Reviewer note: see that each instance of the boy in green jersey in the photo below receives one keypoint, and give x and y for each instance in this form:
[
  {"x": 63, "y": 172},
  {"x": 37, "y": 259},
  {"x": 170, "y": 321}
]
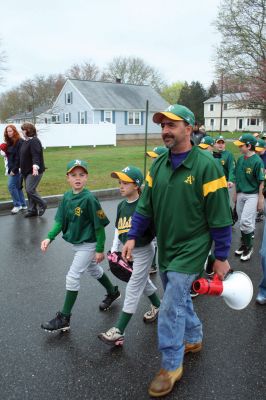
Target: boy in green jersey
[
  {"x": 249, "y": 192},
  {"x": 130, "y": 181},
  {"x": 82, "y": 221},
  {"x": 227, "y": 160},
  {"x": 184, "y": 189}
]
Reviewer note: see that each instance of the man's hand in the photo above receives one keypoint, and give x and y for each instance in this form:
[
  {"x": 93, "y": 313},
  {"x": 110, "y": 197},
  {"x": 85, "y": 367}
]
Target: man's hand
[
  {"x": 99, "y": 257},
  {"x": 221, "y": 268},
  {"x": 127, "y": 250},
  {"x": 260, "y": 206},
  {"x": 44, "y": 245}
]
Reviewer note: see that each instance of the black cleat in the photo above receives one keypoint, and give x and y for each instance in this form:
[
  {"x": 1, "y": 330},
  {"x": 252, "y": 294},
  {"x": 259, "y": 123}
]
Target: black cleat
[
  {"x": 109, "y": 299},
  {"x": 60, "y": 323},
  {"x": 42, "y": 210}
]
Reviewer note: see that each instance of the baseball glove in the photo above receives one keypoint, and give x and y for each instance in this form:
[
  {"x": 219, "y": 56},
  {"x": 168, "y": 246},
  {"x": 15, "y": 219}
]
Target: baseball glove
[{"x": 120, "y": 268}]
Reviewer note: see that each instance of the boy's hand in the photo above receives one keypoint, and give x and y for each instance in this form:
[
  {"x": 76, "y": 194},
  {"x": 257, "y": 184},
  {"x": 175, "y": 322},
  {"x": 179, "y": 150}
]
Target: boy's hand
[
  {"x": 260, "y": 206},
  {"x": 44, "y": 245},
  {"x": 99, "y": 257},
  {"x": 127, "y": 250}
]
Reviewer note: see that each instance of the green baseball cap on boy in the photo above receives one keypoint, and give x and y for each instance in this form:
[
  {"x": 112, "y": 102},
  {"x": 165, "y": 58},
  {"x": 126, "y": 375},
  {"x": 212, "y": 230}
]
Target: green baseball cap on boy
[
  {"x": 260, "y": 145},
  {"x": 246, "y": 138},
  {"x": 206, "y": 142},
  {"x": 77, "y": 163},
  {"x": 157, "y": 151},
  {"x": 176, "y": 112},
  {"x": 219, "y": 139},
  {"x": 129, "y": 174}
]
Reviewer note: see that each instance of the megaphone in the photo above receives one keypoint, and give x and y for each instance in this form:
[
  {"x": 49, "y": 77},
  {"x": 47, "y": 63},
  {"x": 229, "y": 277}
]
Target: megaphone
[{"x": 236, "y": 289}]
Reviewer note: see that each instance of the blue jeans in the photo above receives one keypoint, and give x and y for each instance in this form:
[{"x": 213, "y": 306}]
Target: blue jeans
[
  {"x": 177, "y": 322},
  {"x": 262, "y": 286},
  {"x": 14, "y": 187}
]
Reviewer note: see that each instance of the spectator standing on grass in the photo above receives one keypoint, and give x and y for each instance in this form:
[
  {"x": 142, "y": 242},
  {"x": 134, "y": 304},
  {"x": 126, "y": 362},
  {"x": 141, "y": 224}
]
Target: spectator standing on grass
[
  {"x": 14, "y": 142},
  {"x": 32, "y": 168}
]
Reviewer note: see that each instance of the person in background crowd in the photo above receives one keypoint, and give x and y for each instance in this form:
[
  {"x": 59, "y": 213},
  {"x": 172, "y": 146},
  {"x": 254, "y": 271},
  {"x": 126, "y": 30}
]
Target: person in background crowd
[
  {"x": 32, "y": 168},
  {"x": 14, "y": 142}
]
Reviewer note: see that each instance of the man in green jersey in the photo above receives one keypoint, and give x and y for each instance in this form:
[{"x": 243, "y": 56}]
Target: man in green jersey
[
  {"x": 249, "y": 192},
  {"x": 184, "y": 189}
]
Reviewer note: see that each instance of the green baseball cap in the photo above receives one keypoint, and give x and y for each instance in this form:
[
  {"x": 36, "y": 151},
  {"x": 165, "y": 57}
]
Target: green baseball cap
[
  {"x": 219, "y": 138},
  {"x": 176, "y": 112},
  {"x": 77, "y": 163},
  {"x": 206, "y": 142},
  {"x": 157, "y": 151},
  {"x": 260, "y": 145},
  {"x": 129, "y": 174},
  {"x": 246, "y": 138}
]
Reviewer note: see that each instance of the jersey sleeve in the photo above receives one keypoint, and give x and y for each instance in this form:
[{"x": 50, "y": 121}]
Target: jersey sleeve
[
  {"x": 144, "y": 206},
  {"x": 97, "y": 215},
  {"x": 216, "y": 198},
  {"x": 259, "y": 171},
  {"x": 231, "y": 168},
  {"x": 59, "y": 216}
]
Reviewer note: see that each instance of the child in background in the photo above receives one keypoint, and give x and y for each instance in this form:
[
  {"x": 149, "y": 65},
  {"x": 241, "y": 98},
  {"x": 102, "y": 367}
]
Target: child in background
[
  {"x": 3, "y": 152},
  {"x": 130, "y": 181},
  {"x": 82, "y": 221}
]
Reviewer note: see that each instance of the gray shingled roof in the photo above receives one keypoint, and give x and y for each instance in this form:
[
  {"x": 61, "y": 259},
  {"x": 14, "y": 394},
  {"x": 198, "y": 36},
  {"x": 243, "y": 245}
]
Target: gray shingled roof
[
  {"x": 227, "y": 97},
  {"x": 119, "y": 96}
]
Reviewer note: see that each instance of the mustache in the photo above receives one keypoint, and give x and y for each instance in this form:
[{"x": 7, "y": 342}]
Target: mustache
[{"x": 167, "y": 136}]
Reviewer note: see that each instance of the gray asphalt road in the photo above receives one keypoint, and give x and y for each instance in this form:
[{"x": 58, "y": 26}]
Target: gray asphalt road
[{"x": 76, "y": 365}]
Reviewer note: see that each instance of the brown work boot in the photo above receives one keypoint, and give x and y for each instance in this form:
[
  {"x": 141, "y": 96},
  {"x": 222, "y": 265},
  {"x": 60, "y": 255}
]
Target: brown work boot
[
  {"x": 164, "y": 381},
  {"x": 193, "y": 347}
]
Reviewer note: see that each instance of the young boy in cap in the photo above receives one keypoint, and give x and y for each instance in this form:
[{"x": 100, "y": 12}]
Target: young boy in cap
[
  {"x": 130, "y": 181},
  {"x": 82, "y": 221},
  {"x": 249, "y": 192},
  {"x": 227, "y": 160},
  {"x": 155, "y": 153},
  {"x": 207, "y": 143}
]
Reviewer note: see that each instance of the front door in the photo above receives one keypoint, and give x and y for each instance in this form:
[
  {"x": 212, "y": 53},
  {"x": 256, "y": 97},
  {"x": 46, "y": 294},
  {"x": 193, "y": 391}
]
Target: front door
[{"x": 240, "y": 123}]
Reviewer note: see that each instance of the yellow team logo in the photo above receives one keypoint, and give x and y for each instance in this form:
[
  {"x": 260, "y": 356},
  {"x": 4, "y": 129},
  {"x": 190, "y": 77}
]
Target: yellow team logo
[
  {"x": 248, "y": 171},
  {"x": 222, "y": 162},
  {"x": 190, "y": 179},
  {"x": 124, "y": 224},
  {"x": 100, "y": 214},
  {"x": 77, "y": 211}
]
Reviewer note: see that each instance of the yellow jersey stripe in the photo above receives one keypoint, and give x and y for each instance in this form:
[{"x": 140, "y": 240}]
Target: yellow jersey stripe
[
  {"x": 120, "y": 231},
  {"x": 149, "y": 179},
  {"x": 212, "y": 186}
]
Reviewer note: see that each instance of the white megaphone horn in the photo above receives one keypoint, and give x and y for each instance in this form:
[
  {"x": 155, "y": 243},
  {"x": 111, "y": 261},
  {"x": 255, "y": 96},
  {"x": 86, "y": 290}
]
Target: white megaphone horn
[{"x": 236, "y": 289}]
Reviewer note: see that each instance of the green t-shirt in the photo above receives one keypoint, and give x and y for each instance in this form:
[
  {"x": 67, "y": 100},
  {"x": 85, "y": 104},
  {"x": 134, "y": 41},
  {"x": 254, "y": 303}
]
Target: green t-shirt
[
  {"x": 125, "y": 210},
  {"x": 80, "y": 216},
  {"x": 249, "y": 174},
  {"x": 184, "y": 204},
  {"x": 228, "y": 164}
]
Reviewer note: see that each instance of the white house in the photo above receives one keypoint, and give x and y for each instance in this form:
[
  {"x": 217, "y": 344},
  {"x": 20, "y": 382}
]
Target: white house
[
  {"x": 41, "y": 115},
  {"x": 90, "y": 102},
  {"x": 233, "y": 118}
]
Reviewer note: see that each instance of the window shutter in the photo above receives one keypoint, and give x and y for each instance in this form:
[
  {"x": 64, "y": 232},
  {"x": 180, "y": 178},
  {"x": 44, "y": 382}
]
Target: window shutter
[
  {"x": 69, "y": 117},
  {"x": 86, "y": 117},
  {"x": 102, "y": 115},
  {"x": 78, "y": 117},
  {"x": 142, "y": 118},
  {"x": 65, "y": 98},
  {"x": 113, "y": 117},
  {"x": 71, "y": 97},
  {"x": 63, "y": 118},
  {"x": 125, "y": 117}
]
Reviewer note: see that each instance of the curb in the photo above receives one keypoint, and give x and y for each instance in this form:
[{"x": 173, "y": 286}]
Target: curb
[{"x": 53, "y": 201}]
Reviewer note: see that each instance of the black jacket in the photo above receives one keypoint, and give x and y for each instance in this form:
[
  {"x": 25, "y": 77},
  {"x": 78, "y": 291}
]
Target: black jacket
[
  {"x": 31, "y": 153},
  {"x": 13, "y": 156}
]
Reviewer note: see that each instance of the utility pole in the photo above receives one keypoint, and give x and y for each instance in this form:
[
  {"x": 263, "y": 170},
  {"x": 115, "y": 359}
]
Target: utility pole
[{"x": 222, "y": 99}]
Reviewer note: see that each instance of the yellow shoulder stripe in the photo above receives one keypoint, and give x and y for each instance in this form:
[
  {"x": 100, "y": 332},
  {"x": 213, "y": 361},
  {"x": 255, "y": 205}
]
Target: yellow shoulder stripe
[
  {"x": 212, "y": 186},
  {"x": 149, "y": 179}
]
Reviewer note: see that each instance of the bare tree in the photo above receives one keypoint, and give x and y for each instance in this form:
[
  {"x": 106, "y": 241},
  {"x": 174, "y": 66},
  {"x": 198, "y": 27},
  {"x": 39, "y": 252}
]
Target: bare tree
[
  {"x": 133, "y": 70},
  {"x": 86, "y": 71},
  {"x": 3, "y": 59},
  {"x": 241, "y": 56}
]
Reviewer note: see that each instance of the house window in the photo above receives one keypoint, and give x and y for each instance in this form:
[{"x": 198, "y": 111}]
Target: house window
[
  {"x": 134, "y": 118},
  {"x": 108, "y": 116},
  {"x": 211, "y": 107},
  {"x": 55, "y": 119},
  {"x": 67, "y": 119},
  {"x": 212, "y": 123},
  {"x": 69, "y": 98},
  {"x": 253, "y": 121},
  {"x": 225, "y": 122},
  {"x": 225, "y": 106}
]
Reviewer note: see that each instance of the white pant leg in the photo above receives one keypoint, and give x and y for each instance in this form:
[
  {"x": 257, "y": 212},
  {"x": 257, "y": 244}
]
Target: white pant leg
[
  {"x": 84, "y": 255},
  {"x": 139, "y": 281},
  {"x": 249, "y": 211}
]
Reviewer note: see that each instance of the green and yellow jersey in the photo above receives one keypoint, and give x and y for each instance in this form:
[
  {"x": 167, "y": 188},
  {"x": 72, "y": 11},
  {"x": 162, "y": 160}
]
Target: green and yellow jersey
[
  {"x": 249, "y": 174},
  {"x": 228, "y": 163}
]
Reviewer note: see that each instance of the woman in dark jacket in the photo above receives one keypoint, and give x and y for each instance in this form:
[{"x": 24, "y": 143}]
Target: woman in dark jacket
[
  {"x": 32, "y": 168},
  {"x": 14, "y": 143}
]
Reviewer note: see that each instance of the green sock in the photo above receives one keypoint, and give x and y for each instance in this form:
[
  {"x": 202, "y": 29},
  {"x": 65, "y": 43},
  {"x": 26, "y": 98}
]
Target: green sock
[
  {"x": 155, "y": 301},
  {"x": 69, "y": 302},
  {"x": 105, "y": 281},
  {"x": 247, "y": 239},
  {"x": 123, "y": 320}
]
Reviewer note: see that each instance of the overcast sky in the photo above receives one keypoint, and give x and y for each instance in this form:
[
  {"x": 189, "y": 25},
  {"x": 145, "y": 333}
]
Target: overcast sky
[{"x": 43, "y": 37}]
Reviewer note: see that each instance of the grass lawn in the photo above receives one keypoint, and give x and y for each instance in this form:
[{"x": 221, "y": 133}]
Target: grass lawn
[{"x": 102, "y": 161}]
